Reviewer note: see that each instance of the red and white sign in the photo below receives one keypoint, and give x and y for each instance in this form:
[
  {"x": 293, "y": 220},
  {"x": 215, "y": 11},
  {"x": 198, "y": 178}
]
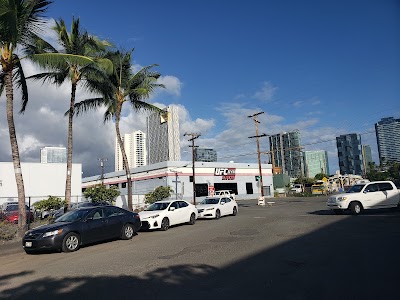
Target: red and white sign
[
  {"x": 226, "y": 173},
  {"x": 211, "y": 190}
]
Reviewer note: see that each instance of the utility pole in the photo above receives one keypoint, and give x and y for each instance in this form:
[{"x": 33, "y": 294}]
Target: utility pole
[
  {"x": 193, "y": 137},
  {"x": 102, "y": 160},
  {"x": 256, "y": 122}
]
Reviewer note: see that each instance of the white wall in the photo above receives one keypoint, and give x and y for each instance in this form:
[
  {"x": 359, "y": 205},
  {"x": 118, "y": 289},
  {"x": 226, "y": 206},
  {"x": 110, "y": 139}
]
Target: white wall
[{"x": 40, "y": 181}]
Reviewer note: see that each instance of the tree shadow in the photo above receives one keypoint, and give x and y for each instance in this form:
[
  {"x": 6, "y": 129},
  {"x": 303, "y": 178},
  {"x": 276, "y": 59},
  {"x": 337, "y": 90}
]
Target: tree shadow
[{"x": 353, "y": 258}]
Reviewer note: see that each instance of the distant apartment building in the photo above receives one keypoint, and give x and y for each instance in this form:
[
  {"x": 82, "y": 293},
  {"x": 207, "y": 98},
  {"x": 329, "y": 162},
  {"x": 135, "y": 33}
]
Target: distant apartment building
[
  {"x": 286, "y": 154},
  {"x": 135, "y": 149},
  {"x": 388, "y": 138},
  {"x": 367, "y": 156},
  {"x": 50, "y": 155},
  {"x": 163, "y": 138},
  {"x": 315, "y": 162},
  {"x": 350, "y": 154},
  {"x": 205, "y": 155}
]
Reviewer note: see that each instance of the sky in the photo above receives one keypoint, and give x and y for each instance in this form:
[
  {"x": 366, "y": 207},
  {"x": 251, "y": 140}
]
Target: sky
[{"x": 325, "y": 68}]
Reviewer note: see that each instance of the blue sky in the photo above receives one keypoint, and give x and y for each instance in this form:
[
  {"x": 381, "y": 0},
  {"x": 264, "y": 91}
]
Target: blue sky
[{"x": 324, "y": 67}]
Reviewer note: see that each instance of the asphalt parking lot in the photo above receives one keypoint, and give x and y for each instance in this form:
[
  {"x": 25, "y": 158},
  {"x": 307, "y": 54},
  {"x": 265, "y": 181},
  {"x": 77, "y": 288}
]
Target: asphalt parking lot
[{"x": 294, "y": 249}]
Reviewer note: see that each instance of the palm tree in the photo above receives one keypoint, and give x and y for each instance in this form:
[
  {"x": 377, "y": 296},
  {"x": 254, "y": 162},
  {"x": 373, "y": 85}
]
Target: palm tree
[
  {"x": 78, "y": 61},
  {"x": 121, "y": 87},
  {"x": 19, "y": 20}
]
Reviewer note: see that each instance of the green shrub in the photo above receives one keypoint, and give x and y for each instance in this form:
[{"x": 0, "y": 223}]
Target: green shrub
[
  {"x": 50, "y": 203},
  {"x": 100, "y": 193},
  {"x": 158, "y": 194}
]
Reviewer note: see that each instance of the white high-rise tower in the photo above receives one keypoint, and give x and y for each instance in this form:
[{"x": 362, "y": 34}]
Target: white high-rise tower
[
  {"x": 163, "y": 136},
  {"x": 135, "y": 148}
]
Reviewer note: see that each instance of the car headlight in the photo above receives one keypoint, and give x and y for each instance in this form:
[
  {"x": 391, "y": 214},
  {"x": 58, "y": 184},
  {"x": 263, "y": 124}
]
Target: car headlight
[
  {"x": 210, "y": 208},
  {"x": 51, "y": 233},
  {"x": 155, "y": 216},
  {"x": 341, "y": 198}
]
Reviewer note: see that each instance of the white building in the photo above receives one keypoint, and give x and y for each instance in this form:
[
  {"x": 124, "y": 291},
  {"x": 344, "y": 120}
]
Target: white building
[
  {"x": 163, "y": 140},
  {"x": 135, "y": 149},
  {"x": 53, "y": 155},
  {"x": 237, "y": 177},
  {"x": 40, "y": 181}
]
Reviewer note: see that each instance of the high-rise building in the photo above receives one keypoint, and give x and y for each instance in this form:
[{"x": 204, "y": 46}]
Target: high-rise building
[
  {"x": 163, "y": 139},
  {"x": 205, "y": 154},
  {"x": 315, "y": 162},
  {"x": 367, "y": 156},
  {"x": 388, "y": 138},
  {"x": 350, "y": 154},
  {"x": 286, "y": 153},
  {"x": 135, "y": 149},
  {"x": 53, "y": 155}
]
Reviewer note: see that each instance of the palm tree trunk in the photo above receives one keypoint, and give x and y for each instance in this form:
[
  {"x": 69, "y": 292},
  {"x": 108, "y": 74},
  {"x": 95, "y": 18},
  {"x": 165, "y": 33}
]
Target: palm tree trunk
[
  {"x": 69, "y": 154},
  {"x": 124, "y": 158},
  {"x": 15, "y": 154}
]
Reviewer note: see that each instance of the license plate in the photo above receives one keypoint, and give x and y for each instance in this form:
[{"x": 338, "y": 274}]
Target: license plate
[{"x": 28, "y": 244}]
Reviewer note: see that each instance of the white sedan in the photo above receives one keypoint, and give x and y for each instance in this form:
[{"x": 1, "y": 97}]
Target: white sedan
[
  {"x": 216, "y": 207},
  {"x": 163, "y": 214}
]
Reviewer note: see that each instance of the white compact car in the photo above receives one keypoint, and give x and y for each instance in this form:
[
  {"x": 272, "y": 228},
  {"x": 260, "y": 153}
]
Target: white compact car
[
  {"x": 216, "y": 207},
  {"x": 163, "y": 214}
]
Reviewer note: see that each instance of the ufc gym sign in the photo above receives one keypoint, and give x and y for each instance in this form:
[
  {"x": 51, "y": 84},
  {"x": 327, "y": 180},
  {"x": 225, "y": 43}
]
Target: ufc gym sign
[{"x": 226, "y": 173}]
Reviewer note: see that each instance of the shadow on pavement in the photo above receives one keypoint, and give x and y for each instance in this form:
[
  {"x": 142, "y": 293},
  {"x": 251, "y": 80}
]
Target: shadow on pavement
[{"x": 353, "y": 258}]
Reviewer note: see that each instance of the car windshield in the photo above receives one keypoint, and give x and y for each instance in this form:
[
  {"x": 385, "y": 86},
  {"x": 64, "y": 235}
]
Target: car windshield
[
  {"x": 72, "y": 216},
  {"x": 158, "y": 206},
  {"x": 356, "y": 188},
  {"x": 12, "y": 207},
  {"x": 210, "y": 201}
]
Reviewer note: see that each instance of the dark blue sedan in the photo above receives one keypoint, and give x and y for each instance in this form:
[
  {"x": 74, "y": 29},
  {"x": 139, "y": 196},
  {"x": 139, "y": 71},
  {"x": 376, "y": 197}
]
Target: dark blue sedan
[{"x": 82, "y": 226}]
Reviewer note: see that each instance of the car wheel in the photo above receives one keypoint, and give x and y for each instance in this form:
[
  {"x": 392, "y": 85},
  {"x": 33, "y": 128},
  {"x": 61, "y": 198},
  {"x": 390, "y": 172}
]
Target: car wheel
[
  {"x": 217, "y": 214},
  {"x": 164, "y": 224},
  {"x": 355, "y": 208},
  {"x": 192, "y": 219},
  {"x": 127, "y": 232},
  {"x": 338, "y": 211},
  {"x": 234, "y": 211},
  {"x": 71, "y": 242}
]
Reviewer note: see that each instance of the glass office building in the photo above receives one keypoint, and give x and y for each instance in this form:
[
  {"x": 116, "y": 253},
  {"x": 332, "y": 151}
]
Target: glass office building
[
  {"x": 205, "y": 154},
  {"x": 350, "y": 154},
  {"x": 53, "y": 155},
  {"x": 388, "y": 138}
]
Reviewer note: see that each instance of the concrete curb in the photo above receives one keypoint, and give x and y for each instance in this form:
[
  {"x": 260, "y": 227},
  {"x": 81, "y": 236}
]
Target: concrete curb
[{"x": 11, "y": 247}]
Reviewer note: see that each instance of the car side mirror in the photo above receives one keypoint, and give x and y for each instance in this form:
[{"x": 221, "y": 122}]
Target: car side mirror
[
  {"x": 171, "y": 208},
  {"x": 222, "y": 203}
]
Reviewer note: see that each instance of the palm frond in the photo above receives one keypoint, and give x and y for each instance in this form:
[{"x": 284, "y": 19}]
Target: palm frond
[
  {"x": 2, "y": 74},
  {"x": 20, "y": 81},
  {"x": 52, "y": 77},
  {"x": 86, "y": 105},
  {"x": 60, "y": 60}
]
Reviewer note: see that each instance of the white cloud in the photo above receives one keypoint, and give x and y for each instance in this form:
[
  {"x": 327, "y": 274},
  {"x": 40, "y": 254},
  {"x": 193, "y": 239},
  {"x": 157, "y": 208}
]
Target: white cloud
[
  {"x": 172, "y": 84},
  {"x": 266, "y": 93}
]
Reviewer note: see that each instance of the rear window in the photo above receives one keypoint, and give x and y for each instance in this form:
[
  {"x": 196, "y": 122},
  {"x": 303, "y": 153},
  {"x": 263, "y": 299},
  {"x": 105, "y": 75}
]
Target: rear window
[{"x": 385, "y": 186}]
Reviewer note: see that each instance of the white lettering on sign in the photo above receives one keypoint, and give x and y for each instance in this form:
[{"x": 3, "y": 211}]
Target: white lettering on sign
[{"x": 226, "y": 173}]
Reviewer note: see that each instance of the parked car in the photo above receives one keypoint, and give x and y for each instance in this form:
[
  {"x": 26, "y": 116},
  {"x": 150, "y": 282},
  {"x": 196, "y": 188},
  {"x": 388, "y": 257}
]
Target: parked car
[
  {"x": 82, "y": 226},
  {"x": 163, "y": 214},
  {"x": 226, "y": 193},
  {"x": 216, "y": 207},
  {"x": 11, "y": 214},
  {"x": 369, "y": 195},
  {"x": 297, "y": 188},
  {"x": 5, "y": 204}
]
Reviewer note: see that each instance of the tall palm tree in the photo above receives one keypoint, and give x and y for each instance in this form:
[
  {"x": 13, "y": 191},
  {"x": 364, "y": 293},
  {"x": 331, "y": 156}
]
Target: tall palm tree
[
  {"x": 124, "y": 86},
  {"x": 79, "y": 60},
  {"x": 19, "y": 20}
]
